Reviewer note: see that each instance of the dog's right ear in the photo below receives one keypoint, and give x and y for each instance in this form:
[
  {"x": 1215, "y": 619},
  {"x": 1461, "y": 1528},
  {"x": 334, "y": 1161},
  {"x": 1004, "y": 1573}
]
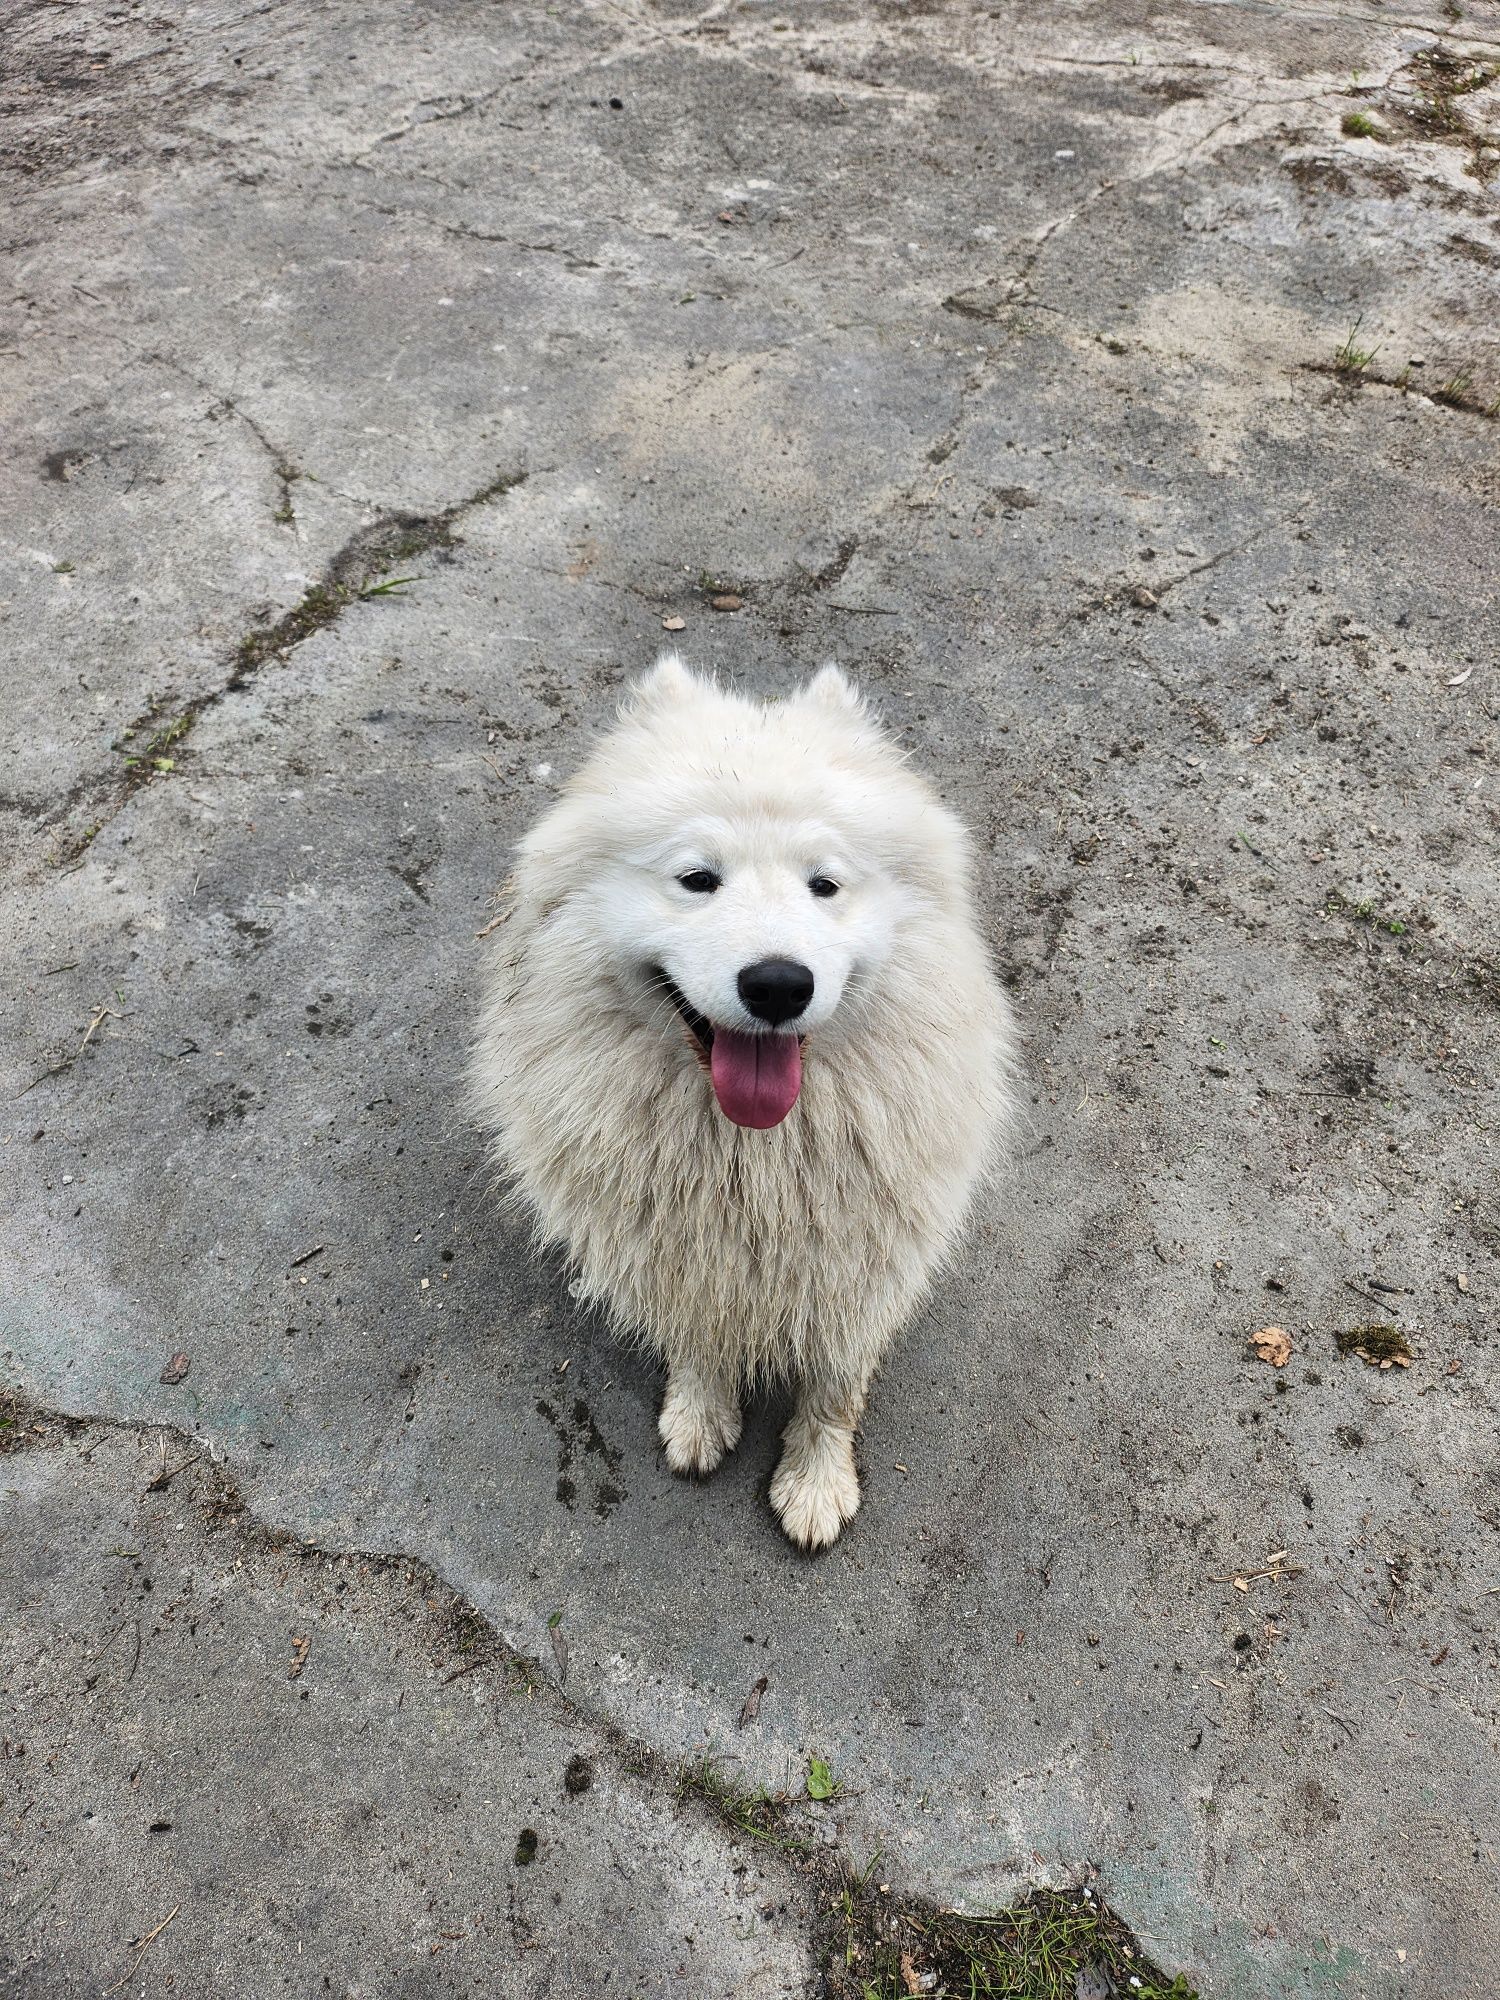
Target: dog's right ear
[{"x": 668, "y": 681}]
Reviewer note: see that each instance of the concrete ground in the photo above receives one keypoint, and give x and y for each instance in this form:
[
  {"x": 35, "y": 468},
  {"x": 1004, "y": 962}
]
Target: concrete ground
[{"x": 1113, "y": 389}]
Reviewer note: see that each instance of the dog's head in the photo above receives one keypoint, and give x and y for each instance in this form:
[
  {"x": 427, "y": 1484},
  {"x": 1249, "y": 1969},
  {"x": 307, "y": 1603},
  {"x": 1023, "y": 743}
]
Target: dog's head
[{"x": 744, "y": 871}]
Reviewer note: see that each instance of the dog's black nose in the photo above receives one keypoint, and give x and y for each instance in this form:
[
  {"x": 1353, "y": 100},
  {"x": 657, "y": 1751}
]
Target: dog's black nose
[{"x": 776, "y": 990}]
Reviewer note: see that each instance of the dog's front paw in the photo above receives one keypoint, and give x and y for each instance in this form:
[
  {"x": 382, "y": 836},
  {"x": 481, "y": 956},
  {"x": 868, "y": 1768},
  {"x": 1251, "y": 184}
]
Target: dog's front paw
[
  {"x": 816, "y": 1488},
  {"x": 697, "y": 1424}
]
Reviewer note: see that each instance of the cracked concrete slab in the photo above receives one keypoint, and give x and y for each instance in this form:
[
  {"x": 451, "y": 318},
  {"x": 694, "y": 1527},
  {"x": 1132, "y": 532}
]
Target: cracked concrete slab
[
  {"x": 278, "y": 1752},
  {"x": 995, "y": 353}
]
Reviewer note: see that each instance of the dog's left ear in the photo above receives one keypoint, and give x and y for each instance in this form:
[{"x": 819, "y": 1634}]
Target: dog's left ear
[
  {"x": 831, "y": 688},
  {"x": 668, "y": 681}
]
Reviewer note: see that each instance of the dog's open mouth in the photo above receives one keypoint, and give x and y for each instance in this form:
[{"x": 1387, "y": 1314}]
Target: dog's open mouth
[{"x": 756, "y": 1078}]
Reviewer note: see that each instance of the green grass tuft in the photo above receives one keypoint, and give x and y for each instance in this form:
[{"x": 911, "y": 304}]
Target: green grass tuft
[
  {"x": 748, "y": 1810},
  {"x": 1351, "y": 357},
  {"x": 1365, "y": 912},
  {"x": 1052, "y": 1945},
  {"x": 1457, "y": 392}
]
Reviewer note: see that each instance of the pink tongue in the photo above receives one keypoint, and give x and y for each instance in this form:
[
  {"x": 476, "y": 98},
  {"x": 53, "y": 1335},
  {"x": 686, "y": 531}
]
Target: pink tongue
[{"x": 756, "y": 1077}]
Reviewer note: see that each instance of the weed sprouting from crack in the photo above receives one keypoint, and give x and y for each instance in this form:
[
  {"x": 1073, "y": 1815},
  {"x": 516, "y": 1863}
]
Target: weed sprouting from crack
[
  {"x": 361, "y": 570},
  {"x": 151, "y": 755},
  {"x": 1456, "y": 393},
  {"x": 285, "y": 513},
  {"x": 748, "y": 1810},
  {"x": 1351, "y": 357},
  {"x": 1052, "y": 1945},
  {"x": 15, "y": 1416},
  {"x": 1446, "y": 78}
]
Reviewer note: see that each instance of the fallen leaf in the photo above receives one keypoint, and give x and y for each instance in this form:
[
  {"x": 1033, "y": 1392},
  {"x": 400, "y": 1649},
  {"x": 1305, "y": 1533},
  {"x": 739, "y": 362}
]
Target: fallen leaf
[
  {"x": 1146, "y": 599},
  {"x": 1240, "y": 1583},
  {"x": 820, "y": 1780},
  {"x": 673, "y": 624},
  {"x": 752, "y": 1702},
  {"x": 1461, "y": 1279},
  {"x": 910, "y": 1978},
  {"x": 174, "y": 1371},
  {"x": 300, "y": 1648},
  {"x": 1273, "y": 1344},
  {"x": 727, "y": 601}
]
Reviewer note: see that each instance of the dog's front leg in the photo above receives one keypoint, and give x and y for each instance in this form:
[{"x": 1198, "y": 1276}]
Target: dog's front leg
[
  {"x": 816, "y": 1487},
  {"x": 700, "y": 1420}
]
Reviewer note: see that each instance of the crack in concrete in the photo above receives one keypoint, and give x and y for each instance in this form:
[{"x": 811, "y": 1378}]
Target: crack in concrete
[
  {"x": 832, "y": 571},
  {"x": 370, "y": 552},
  {"x": 570, "y": 258},
  {"x": 1234, "y": 549},
  {"x": 462, "y": 1638},
  {"x": 281, "y": 463},
  {"x": 217, "y": 1498},
  {"x": 851, "y": 1927},
  {"x": 480, "y": 101},
  {"x": 1181, "y": 157},
  {"x": 1456, "y": 393},
  {"x": 462, "y": 109},
  {"x": 1055, "y": 228},
  {"x": 1017, "y": 294}
]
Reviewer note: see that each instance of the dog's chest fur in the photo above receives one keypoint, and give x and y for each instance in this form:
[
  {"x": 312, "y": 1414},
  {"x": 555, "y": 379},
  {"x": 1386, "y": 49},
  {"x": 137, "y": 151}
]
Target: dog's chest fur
[{"x": 753, "y": 1252}]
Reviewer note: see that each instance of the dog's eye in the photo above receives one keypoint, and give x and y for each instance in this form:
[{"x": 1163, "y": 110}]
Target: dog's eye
[
  {"x": 821, "y": 886},
  {"x": 701, "y": 881}
]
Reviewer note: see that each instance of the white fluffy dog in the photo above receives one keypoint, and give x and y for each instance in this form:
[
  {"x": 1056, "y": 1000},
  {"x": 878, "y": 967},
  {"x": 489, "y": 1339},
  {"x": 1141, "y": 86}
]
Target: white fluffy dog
[{"x": 744, "y": 1056}]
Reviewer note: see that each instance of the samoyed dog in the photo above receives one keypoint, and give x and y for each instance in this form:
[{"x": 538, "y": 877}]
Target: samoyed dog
[{"x": 743, "y": 1056}]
